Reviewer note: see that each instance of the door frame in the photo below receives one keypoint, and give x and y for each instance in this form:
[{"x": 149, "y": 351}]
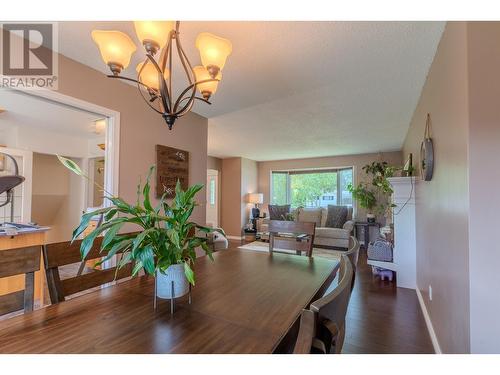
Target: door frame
[{"x": 112, "y": 137}]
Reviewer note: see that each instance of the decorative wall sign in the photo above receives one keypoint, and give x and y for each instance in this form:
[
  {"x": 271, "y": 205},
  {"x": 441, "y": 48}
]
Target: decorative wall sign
[
  {"x": 427, "y": 153},
  {"x": 172, "y": 164}
]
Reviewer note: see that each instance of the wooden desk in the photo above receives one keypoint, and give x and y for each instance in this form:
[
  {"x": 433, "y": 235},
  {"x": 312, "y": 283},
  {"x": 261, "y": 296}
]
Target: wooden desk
[
  {"x": 15, "y": 283},
  {"x": 244, "y": 302}
]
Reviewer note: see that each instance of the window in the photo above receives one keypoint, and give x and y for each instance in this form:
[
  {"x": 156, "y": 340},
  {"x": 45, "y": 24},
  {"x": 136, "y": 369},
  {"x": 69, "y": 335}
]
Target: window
[
  {"x": 212, "y": 191},
  {"x": 311, "y": 188}
]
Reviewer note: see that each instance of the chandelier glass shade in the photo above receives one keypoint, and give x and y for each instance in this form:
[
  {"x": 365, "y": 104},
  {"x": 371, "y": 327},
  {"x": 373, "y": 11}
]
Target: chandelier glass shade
[{"x": 161, "y": 39}]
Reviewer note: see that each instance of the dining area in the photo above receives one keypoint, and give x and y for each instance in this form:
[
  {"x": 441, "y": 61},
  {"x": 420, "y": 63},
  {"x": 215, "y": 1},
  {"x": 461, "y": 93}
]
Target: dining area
[{"x": 242, "y": 302}]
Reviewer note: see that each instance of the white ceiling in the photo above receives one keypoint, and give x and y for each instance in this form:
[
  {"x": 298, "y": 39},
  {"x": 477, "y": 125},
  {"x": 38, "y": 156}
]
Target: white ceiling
[
  {"x": 33, "y": 112},
  {"x": 299, "y": 89}
]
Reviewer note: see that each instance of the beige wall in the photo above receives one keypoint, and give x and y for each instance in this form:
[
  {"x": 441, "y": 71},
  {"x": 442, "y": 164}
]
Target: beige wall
[
  {"x": 442, "y": 204},
  {"x": 249, "y": 174},
  {"x": 239, "y": 177},
  {"x": 214, "y": 163},
  {"x": 483, "y": 40},
  {"x": 141, "y": 128},
  {"x": 57, "y": 197},
  {"x": 231, "y": 196},
  {"x": 355, "y": 161}
]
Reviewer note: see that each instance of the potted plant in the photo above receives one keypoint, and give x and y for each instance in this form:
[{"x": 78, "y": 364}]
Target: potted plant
[
  {"x": 166, "y": 241},
  {"x": 374, "y": 195},
  {"x": 366, "y": 199}
]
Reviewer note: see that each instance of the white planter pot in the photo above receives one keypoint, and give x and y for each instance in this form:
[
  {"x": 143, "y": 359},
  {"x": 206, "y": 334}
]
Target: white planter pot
[{"x": 176, "y": 274}]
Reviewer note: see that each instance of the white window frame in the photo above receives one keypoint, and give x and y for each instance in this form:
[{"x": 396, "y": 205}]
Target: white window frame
[{"x": 305, "y": 171}]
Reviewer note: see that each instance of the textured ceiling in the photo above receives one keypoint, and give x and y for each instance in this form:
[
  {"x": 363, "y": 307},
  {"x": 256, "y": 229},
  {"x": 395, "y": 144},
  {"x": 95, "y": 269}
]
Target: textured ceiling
[{"x": 300, "y": 89}]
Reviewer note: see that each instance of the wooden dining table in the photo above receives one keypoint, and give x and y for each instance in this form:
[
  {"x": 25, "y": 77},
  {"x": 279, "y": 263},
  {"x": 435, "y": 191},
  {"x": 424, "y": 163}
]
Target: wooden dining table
[{"x": 243, "y": 302}]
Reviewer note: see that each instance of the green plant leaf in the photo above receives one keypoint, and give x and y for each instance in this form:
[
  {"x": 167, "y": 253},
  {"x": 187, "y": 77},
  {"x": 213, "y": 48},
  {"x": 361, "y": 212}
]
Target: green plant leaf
[
  {"x": 207, "y": 250},
  {"x": 110, "y": 234},
  {"x": 173, "y": 236},
  {"x": 71, "y": 165},
  {"x": 146, "y": 256},
  {"x": 85, "y": 221},
  {"x": 147, "y": 188},
  {"x": 189, "y": 273},
  {"x": 137, "y": 267},
  {"x": 126, "y": 259}
]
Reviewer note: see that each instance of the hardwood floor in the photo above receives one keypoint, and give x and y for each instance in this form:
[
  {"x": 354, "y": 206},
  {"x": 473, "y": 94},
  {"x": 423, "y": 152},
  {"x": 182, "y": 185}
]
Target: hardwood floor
[{"x": 383, "y": 319}]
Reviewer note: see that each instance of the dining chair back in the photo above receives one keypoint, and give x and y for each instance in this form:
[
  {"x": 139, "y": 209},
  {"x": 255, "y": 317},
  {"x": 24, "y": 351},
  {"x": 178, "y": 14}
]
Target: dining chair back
[
  {"x": 16, "y": 262},
  {"x": 307, "y": 331},
  {"x": 353, "y": 255},
  {"x": 291, "y": 235},
  {"x": 64, "y": 253},
  {"x": 332, "y": 308}
]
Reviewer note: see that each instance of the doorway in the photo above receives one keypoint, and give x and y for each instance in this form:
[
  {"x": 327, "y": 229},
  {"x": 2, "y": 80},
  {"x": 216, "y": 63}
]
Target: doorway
[
  {"x": 58, "y": 125},
  {"x": 213, "y": 197}
]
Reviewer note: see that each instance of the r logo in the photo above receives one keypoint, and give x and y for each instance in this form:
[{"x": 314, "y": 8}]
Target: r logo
[{"x": 27, "y": 49}]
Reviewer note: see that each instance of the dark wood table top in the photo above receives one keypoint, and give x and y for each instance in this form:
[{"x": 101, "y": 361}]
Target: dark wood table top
[{"x": 244, "y": 302}]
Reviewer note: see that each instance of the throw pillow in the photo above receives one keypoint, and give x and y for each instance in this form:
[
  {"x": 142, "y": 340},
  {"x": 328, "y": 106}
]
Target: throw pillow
[
  {"x": 310, "y": 215},
  {"x": 337, "y": 216},
  {"x": 277, "y": 212}
]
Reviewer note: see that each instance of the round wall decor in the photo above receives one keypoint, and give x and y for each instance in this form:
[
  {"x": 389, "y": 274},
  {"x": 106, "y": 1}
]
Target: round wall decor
[{"x": 427, "y": 153}]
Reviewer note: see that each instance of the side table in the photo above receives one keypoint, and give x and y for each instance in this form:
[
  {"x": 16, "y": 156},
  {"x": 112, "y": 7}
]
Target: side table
[
  {"x": 366, "y": 226},
  {"x": 250, "y": 235}
]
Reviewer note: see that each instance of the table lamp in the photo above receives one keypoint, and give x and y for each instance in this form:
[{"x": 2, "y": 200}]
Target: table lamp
[{"x": 256, "y": 198}]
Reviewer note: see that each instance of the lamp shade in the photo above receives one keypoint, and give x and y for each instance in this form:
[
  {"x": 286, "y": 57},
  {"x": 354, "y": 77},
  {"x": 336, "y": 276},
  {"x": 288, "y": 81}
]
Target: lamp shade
[
  {"x": 154, "y": 31},
  {"x": 201, "y": 74},
  {"x": 149, "y": 75},
  {"x": 256, "y": 198},
  {"x": 213, "y": 50},
  {"x": 115, "y": 47}
]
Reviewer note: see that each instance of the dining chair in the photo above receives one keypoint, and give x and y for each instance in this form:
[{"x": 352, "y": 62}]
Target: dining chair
[
  {"x": 353, "y": 255},
  {"x": 16, "y": 262},
  {"x": 332, "y": 309},
  {"x": 307, "y": 331},
  {"x": 291, "y": 235},
  {"x": 64, "y": 253}
]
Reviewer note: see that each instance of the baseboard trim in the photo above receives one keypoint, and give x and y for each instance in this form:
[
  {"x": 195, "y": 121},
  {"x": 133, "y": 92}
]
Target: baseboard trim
[
  {"x": 428, "y": 323},
  {"x": 237, "y": 238}
]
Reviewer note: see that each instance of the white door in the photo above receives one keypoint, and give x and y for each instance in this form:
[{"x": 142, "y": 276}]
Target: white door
[{"x": 212, "y": 198}]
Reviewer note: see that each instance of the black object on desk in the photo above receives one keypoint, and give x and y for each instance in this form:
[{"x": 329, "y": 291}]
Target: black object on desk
[{"x": 366, "y": 226}]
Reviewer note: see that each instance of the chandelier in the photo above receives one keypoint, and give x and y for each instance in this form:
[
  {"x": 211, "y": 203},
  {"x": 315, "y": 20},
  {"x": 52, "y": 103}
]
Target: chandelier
[{"x": 154, "y": 74}]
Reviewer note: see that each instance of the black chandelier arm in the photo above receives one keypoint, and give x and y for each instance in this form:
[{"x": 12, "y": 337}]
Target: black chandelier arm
[
  {"x": 163, "y": 60},
  {"x": 149, "y": 101},
  {"x": 185, "y": 61},
  {"x": 163, "y": 86},
  {"x": 131, "y": 80},
  {"x": 188, "y": 69},
  {"x": 198, "y": 98},
  {"x": 181, "y": 97},
  {"x": 171, "y": 77}
]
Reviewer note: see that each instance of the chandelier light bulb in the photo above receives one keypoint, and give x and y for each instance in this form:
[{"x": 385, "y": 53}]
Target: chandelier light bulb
[
  {"x": 149, "y": 75},
  {"x": 214, "y": 51},
  {"x": 154, "y": 35},
  {"x": 116, "y": 48},
  {"x": 206, "y": 89}
]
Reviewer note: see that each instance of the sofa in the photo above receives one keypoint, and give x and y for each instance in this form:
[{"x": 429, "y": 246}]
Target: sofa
[{"x": 324, "y": 236}]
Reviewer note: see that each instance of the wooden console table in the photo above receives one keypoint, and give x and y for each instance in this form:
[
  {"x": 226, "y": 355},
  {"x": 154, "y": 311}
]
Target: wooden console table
[{"x": 33, "y": 237}]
